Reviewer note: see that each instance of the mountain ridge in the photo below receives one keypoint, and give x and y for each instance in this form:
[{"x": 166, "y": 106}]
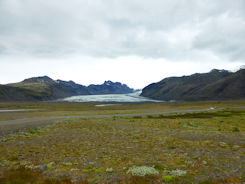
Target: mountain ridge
[
  {"x": 44, "y": 88},
  {"x": 109, "y": 87}
]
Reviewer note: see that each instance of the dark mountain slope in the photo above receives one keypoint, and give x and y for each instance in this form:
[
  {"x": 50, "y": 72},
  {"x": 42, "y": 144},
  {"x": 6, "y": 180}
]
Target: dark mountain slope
[
  {"x": 217, "y": 84},
  {"x": 232, "y": 86},
  {"x": 8, "y": 93},
  {"x": 63, "y": 89}
]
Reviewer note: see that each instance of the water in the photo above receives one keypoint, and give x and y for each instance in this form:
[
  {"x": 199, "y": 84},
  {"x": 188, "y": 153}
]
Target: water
[{"x": 131, "y": 97}]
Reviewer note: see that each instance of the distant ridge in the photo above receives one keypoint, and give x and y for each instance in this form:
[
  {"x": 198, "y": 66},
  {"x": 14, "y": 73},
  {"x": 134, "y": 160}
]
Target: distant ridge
[
  {"x": 45, "y": 88},
  {"x": 215, "y": 85},
  {"x": 109, "y": 87}
]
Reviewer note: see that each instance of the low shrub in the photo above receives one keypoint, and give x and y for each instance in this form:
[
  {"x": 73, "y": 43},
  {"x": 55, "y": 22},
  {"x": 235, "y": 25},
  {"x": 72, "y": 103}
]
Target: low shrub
[
  {"x": 142, "y": 171},
  {"x": 178, "y": 172},
  {"x": 109, "y": 170}
]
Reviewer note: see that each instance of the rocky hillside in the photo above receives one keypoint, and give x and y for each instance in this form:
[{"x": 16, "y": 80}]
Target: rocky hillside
[
  {"x": 45, "y": 88},
  {"x": 215, "y": 85},
  {"x": 109, "y": 87}
]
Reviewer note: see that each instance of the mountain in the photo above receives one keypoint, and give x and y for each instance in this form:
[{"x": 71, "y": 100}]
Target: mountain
[
  {"x": 215, "y": 85},
  {"x": 45, "y": 88},
  {"x": 109, "y": 87},
  {"x": 40, "y": 88}
]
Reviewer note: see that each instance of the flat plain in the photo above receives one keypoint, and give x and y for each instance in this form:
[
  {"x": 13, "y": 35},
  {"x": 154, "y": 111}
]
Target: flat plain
[{"x": 191, "y": 142}]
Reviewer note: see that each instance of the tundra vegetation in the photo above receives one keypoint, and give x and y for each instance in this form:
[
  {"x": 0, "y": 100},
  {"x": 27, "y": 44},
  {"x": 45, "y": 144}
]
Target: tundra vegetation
[{"x": 200, "y": 147}]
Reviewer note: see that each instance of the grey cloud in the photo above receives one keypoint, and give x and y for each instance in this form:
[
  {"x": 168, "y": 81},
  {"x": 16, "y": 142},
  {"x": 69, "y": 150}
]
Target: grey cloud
[
  {"x": 225, "y": 36},
  {"x": 173, "y": 29}
]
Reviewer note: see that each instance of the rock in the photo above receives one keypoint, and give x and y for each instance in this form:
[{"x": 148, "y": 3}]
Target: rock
[{"x": 43, "y": 167}]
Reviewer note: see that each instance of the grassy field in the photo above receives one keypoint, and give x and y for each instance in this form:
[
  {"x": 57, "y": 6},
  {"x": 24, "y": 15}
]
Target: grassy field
[
  {"x": 47, "y": 109},
  {"x": 200, "y": 148}
]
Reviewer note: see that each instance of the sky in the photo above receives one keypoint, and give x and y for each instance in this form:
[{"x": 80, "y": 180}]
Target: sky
[{"x": 136, "y": 42}]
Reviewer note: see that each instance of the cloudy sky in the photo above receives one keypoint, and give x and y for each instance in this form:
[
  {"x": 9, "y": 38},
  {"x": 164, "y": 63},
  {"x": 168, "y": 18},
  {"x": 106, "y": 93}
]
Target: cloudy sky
[{"x": 136, "y": 42}]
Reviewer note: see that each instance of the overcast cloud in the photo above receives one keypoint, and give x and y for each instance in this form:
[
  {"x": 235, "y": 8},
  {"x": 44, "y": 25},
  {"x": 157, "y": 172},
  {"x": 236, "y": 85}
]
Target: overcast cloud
[{"x": 170, "y": 30}]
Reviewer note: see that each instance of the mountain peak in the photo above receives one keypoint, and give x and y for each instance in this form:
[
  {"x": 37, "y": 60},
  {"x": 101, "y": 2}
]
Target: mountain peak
[
  {"x": 108, "y": 82},
  {"x": 218, "y": 71},
  {"x": 109, "y": 87},
  {"x": 41, "y": 79}
]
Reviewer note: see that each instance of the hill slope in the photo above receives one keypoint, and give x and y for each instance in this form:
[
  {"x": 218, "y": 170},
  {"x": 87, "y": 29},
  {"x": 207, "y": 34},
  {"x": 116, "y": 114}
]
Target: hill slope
[
  {"x": 215, "y": 85},
  {"x": 9, "y": 93}
]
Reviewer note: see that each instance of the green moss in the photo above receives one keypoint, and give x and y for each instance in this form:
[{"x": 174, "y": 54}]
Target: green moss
[
  {"x": 87, "y": 171},
  {"x": 171, "y": 147},
  {"x": 91, "y": 180},
  {"x": 98, "y": 171},
  {"x": 34, "y": 131},
  {"x": 50, "y": 165},
  {"x": 168, "y": 179}
]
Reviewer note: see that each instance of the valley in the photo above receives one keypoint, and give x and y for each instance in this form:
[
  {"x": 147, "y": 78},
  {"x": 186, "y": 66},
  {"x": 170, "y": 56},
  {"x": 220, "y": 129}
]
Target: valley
[{"x": 64, "y": 142}]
